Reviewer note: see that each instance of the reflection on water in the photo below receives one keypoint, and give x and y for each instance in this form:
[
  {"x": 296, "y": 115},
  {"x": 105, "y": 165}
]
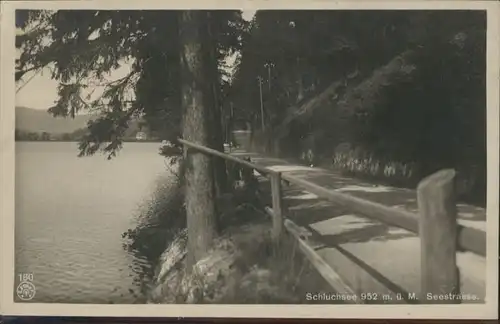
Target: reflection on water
[{"x": 70, "y": 216}]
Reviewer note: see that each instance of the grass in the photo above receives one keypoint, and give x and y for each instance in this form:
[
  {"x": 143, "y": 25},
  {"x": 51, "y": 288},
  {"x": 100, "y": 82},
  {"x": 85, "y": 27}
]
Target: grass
[
  {"x": 286, "y": 276},
  {"x": 362, "y": 164}
]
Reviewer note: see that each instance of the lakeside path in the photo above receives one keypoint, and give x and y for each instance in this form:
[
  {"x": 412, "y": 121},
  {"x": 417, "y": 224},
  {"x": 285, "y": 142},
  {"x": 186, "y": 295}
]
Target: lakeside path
[{"x": 370, "y": 256}]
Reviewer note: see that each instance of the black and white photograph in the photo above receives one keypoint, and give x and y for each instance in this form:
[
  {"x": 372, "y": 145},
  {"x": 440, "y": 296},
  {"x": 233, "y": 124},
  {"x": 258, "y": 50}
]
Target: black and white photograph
[{"x": 292, "y": 156}]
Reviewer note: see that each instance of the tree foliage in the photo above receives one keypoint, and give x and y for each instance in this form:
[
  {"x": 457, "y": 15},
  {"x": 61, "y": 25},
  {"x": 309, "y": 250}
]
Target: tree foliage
[
  {"x": 83, "y": 47},
  {"x": 406, "y": 86}
]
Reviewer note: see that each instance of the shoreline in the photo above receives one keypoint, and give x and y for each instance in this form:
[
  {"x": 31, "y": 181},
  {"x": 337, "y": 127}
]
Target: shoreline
[{"x": 77, "y": 141}]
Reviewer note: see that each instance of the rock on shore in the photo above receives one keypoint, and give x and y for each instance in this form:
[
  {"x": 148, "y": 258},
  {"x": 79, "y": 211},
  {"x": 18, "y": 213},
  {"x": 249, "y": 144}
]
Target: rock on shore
[{"x": 233, "y": 272}]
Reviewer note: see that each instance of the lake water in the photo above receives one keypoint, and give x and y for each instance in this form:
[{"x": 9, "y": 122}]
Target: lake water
[{"x": 70, "y": 216}]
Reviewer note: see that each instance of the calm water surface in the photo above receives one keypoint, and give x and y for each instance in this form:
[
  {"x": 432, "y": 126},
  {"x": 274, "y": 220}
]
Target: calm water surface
[{"x": 70, "y": 214}]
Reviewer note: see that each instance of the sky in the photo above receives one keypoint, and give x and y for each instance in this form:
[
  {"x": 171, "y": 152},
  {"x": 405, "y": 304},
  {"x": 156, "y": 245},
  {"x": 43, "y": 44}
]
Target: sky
[{"x": 41, "y": 91}]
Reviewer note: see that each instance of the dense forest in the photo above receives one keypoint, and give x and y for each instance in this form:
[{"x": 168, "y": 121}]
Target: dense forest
[
  {"x": 387, "y": 94},
  {"x": 391, "y": 95},
  {"x": 76, "y": 136},
  {"x": 22, "y": 135},
  {"x": 38, "y": 125}
]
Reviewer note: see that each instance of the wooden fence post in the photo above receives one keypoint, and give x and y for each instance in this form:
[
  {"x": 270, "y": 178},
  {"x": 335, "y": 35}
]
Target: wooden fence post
[
  {"x": 277, "y": 205},
  {"x": 438, "y": 237}
]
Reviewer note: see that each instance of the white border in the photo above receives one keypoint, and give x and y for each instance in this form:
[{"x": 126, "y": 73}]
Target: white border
[{"x": 7, "y": 91}]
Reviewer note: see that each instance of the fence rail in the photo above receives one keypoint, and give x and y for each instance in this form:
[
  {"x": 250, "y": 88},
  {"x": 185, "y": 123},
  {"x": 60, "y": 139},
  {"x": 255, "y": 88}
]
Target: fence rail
[
  {"x": 436, "y": 223},
  {"x": 469, "y": 239}
]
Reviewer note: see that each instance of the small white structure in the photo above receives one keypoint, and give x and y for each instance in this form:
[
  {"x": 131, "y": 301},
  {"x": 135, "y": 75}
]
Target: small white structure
[{"x": 141, "y": 136}]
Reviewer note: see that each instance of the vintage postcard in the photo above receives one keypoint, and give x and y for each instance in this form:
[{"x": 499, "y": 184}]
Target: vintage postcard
[{"x": 290, "y": 159}]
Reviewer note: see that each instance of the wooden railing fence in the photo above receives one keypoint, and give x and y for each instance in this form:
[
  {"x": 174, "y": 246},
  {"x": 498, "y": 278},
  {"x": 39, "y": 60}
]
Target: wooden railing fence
[{"x": 436, "y": 224}]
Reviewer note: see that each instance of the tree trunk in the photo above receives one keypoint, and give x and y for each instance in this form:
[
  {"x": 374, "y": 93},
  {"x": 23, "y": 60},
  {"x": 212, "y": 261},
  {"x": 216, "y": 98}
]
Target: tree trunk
[
  {"x": 216, "y": 134},
  {"x": 200, "y": 198}
]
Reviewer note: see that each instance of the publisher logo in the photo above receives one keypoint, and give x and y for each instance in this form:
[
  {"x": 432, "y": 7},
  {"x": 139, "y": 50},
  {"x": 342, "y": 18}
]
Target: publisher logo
[{"x": 26, "y": 289}]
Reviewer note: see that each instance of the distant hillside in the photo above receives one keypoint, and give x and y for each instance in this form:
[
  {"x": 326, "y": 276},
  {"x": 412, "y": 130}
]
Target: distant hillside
[{"x": 34, "y": 120}]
